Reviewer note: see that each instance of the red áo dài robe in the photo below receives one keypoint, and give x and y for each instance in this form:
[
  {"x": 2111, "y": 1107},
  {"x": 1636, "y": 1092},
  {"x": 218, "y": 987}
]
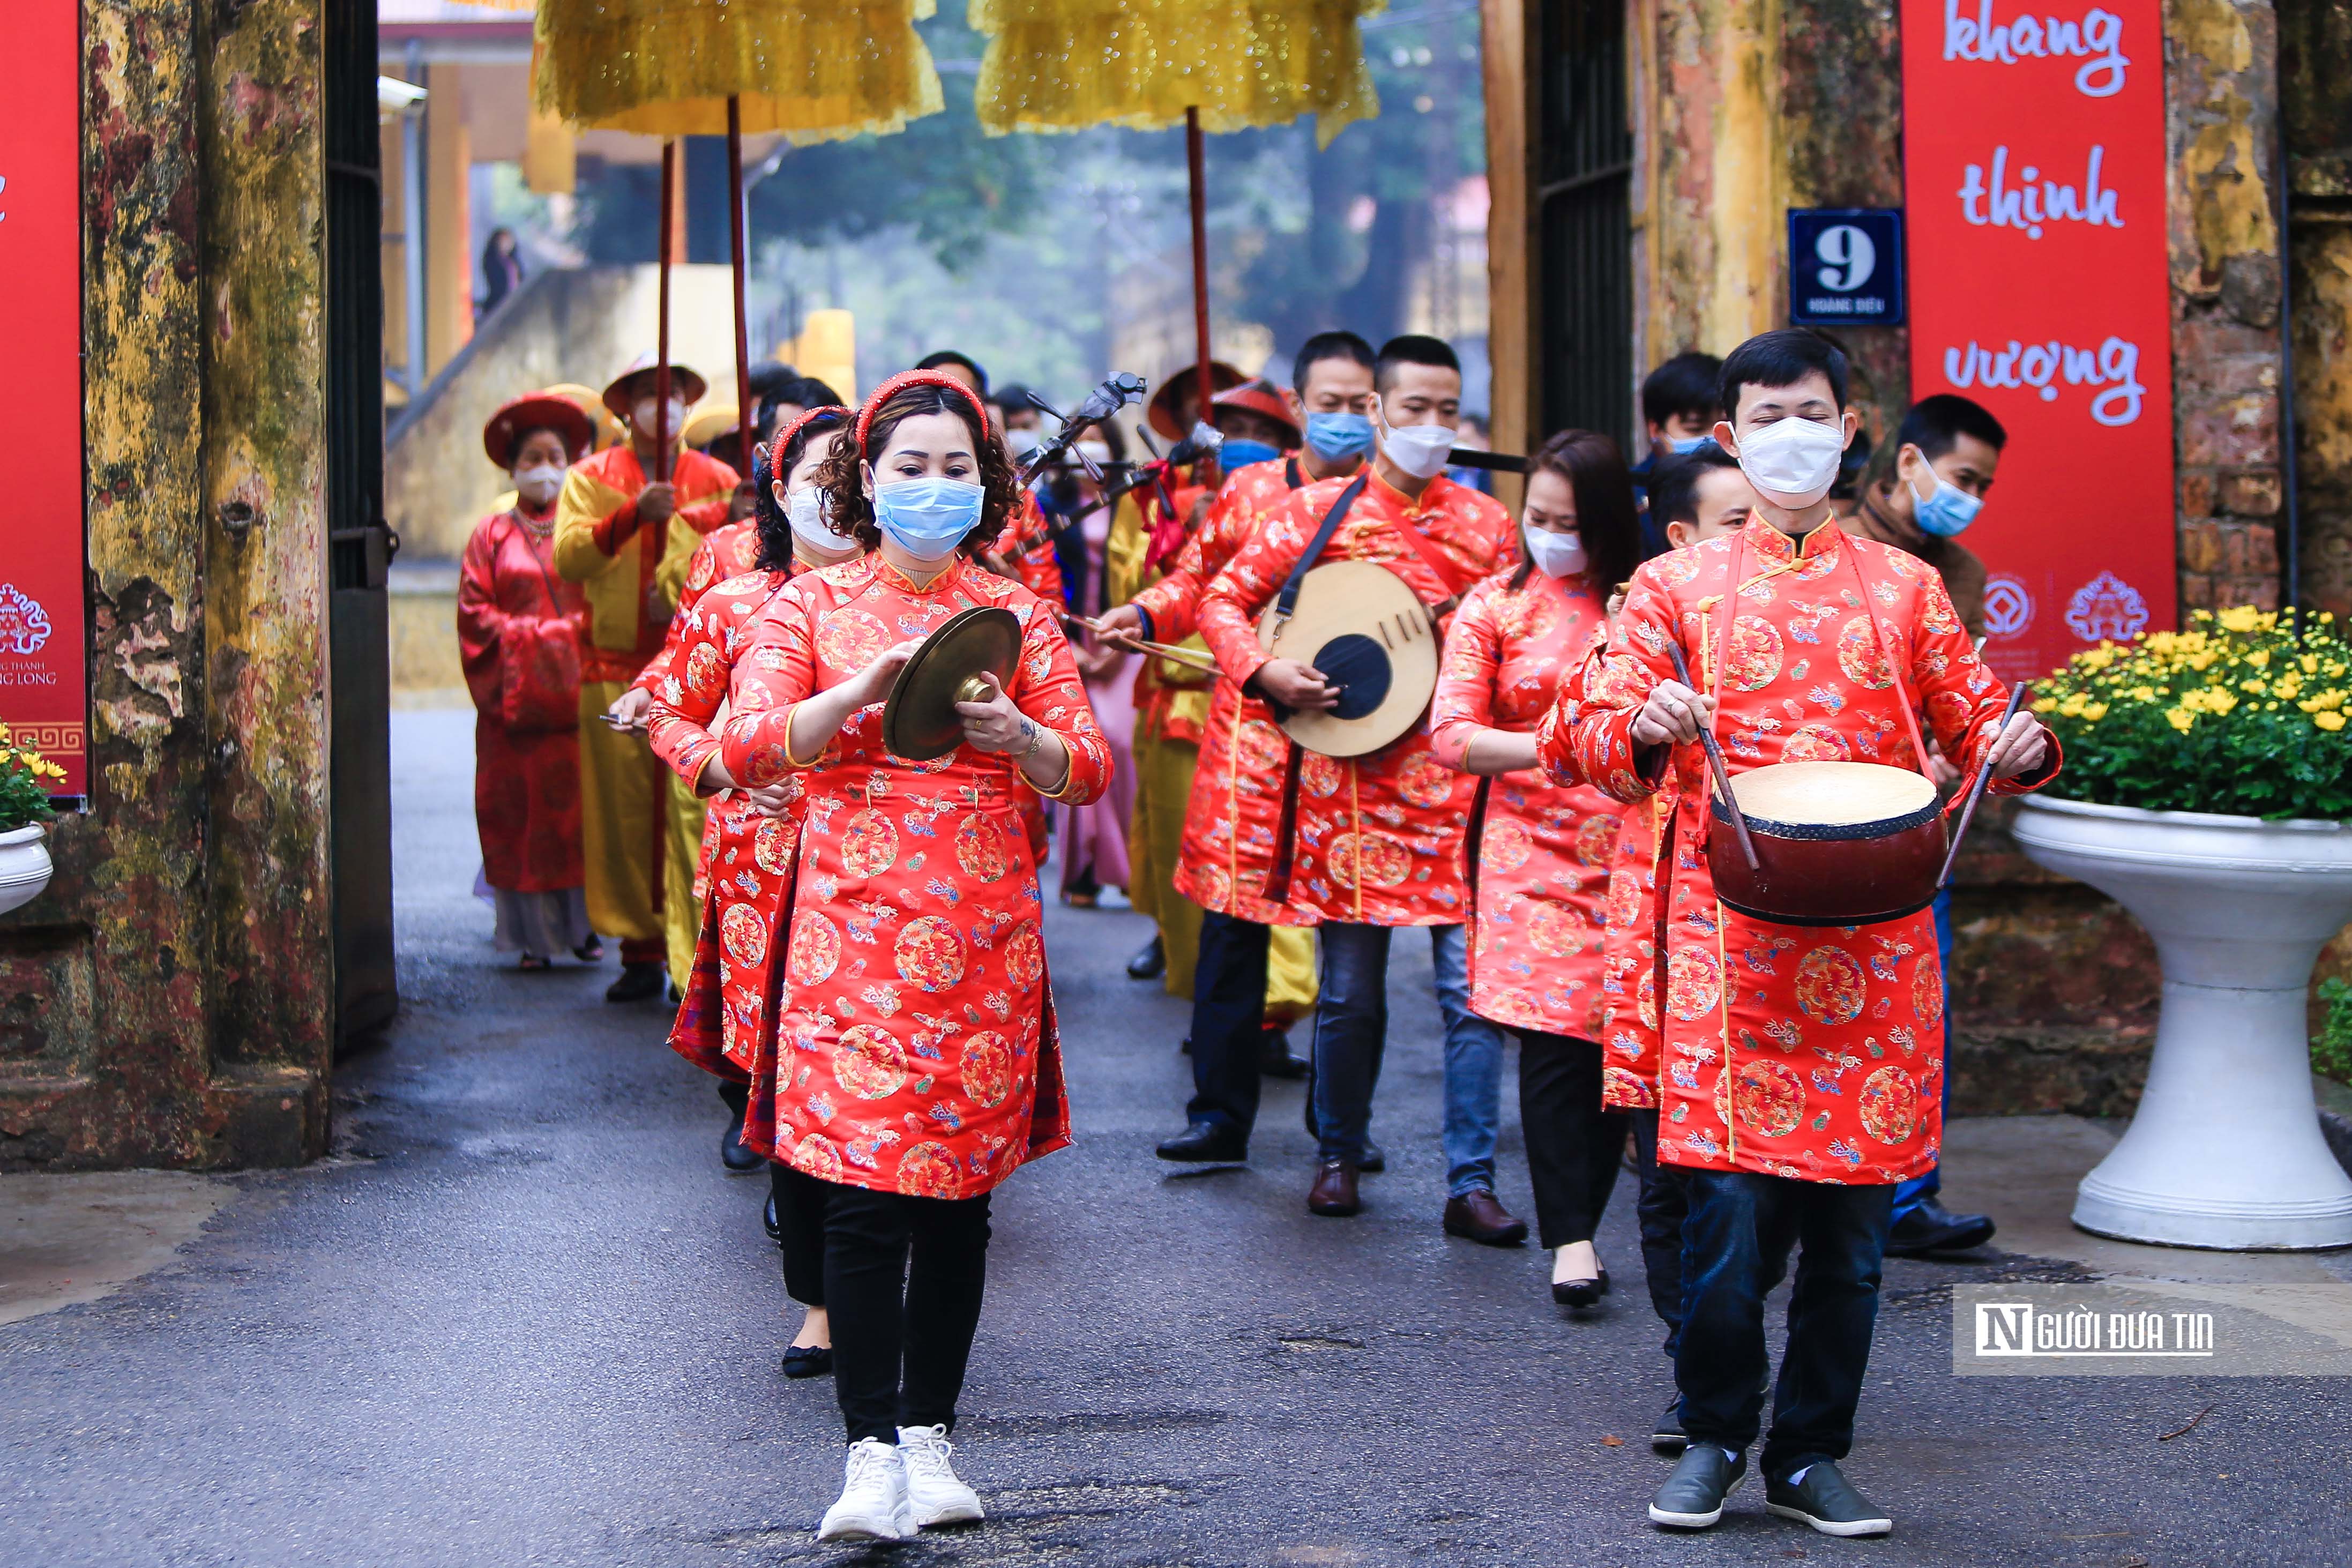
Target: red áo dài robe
[
  {"x": 1630, "y": 939},
  {"x": 525, "y": 785},
  {"x": 1027, "y": 545},
  {"x": 746, "y": 858},
  {"x": 917, "y": 1046},
  {"x": 1538, "y": 908},
  {"x": 728, "y": 551},
  {"x": 1378, "y": 837},
  {"x": 1235, "y": 806},
  {"x": 1810, "y": 1052}
]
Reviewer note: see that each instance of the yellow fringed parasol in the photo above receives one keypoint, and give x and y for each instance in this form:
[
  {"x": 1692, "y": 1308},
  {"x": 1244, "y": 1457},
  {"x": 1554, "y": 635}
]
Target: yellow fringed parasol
[
  {"x": 1064, "y": 65},
  {"x": 813, "y": 69}
]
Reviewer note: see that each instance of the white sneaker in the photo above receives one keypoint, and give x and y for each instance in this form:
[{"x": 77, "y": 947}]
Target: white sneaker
[
  {"x": 932, "y": 1490},
  {"x": 873, "y": 1505}
]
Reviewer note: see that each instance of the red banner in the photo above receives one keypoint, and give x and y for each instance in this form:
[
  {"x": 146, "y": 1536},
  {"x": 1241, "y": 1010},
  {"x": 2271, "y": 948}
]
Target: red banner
[
  {"x": 2034, "y": 172},
  {"x": 44, "y": 665}
]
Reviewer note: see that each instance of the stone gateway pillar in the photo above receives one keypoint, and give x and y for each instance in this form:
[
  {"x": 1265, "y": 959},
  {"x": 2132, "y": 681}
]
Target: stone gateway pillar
[{"x": 173, "y": 998}]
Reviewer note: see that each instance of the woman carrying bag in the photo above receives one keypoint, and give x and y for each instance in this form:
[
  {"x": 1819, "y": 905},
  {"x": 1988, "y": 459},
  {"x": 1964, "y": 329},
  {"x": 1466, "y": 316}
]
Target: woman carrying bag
[{"x": 518, "y": 632}]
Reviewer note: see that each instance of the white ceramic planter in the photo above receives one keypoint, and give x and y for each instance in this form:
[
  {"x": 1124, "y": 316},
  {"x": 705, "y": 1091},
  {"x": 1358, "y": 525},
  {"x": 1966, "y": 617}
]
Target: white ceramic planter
[
  {"x": 23, "y": 866},
  {"x": 2225, "y": 1150}
]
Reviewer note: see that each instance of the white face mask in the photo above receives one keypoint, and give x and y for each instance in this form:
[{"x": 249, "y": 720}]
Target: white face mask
[
  {"x": 1098, "y": 450},
  {"x": 643, "y": 415},
  {"x": 1792, "y": 463},
  {"x": 1021, "y": 444},
  {"x": 805, "y": 510},
  {"x": 538, "y": 486},
  {"x": 1556, "y": 555},
  {"x": 1418, "y": 449}
]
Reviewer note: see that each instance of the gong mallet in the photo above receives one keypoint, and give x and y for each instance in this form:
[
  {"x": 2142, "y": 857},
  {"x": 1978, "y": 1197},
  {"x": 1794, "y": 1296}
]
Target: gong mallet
[
  {"x": 1976, "y": 789},
  {"x": 1168, "y": 651},
  {"x": 1722, "y": 772}
]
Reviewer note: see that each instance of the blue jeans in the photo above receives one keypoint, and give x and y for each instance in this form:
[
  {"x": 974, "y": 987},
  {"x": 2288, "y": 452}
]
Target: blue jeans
[
  {"x": 1736, "y": 1242},
  {"x": 1351, "y": 1027},
  {"x": 1910, "y": 1194}
]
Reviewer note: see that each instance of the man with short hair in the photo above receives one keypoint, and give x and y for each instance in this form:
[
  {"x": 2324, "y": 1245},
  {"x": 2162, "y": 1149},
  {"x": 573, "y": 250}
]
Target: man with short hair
[
  {"x": 1255, "y": 963},
  {"x": 1801, "y": 1066},
  {"x": 961, "y": 366},
  {"x": 1379, "y": 838},
  {"x": 1945, "y": 455},
  {"x": 1700, "y": 495},
  {"x": 1677, "y": 412},
  {"x": 628, "y": 539}
]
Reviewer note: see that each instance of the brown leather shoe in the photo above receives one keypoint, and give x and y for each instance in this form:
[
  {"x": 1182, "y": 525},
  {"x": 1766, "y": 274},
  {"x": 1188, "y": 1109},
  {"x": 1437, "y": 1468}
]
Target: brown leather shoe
[
  {"x": 1334, "y": 1194},
  {"x": 1480, "y": 1217}
]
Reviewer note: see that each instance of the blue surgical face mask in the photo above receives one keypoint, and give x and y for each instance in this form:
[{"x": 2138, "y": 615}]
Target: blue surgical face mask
[
  {"x": 928, "y": 517},
  {"x": 1237, "y": 453},
  {"x": 1684, "y": 446},
  {"x": 1946, "y": 509},
  {"x": 1339, "y": 437}
]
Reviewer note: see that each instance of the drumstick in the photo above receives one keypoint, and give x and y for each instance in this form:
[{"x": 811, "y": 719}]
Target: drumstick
[
  {"x": 1722, "y": 772},
  {"x": 1976, "y": 789},
  {"x": 1168, "y": 651}
]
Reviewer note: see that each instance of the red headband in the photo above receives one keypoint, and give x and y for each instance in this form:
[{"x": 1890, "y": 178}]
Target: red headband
[
  {"x": 784, "y": 437},
  {"x": 905, "y": 379}
]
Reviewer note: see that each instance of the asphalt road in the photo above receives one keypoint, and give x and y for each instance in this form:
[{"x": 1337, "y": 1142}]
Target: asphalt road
[{"x": 523, "y": 1318}]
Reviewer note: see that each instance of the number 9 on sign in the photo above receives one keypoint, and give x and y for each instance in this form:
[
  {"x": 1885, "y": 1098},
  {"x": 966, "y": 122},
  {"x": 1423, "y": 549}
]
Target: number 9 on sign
[{"x": 1848, "y": 257}]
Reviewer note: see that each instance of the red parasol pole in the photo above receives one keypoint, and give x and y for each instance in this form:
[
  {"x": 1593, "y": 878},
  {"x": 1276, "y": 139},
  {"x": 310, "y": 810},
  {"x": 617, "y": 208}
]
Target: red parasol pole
[
  {"x": 738, "y": 219},
  {"x": 1194, "y": 156},
  {"x": 661, "y": 351}
]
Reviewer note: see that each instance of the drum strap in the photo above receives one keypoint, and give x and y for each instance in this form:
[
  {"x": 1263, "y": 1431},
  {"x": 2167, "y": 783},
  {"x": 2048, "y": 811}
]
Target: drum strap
[
  {"x": 1474, "y": 840},
  {"x": 1287, "y": 600},
  {"x": 1285, "y": 831}
]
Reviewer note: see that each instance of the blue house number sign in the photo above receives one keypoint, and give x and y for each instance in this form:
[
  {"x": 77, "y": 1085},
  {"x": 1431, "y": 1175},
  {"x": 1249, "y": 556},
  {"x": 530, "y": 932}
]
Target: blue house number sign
[{"x": 1846, "y": 267}]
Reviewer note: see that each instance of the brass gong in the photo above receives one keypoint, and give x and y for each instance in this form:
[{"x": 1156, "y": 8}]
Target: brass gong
[{"x": 919, "y": 721}]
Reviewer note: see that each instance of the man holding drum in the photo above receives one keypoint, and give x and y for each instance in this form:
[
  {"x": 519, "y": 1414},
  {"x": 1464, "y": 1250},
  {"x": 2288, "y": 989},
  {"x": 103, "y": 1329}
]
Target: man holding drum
[
  {"x": 1377, "y": 840},
  {"x": 1802, "y": 1060}
]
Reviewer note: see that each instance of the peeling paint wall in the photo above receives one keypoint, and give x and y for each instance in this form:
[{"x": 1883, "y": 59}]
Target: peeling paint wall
[
  {"x": 168, "y": 999},
  {"x": 1752, "y": 107},
  {"x": 2315, "y": 41},
  {"x": 2220, "y": 94}
]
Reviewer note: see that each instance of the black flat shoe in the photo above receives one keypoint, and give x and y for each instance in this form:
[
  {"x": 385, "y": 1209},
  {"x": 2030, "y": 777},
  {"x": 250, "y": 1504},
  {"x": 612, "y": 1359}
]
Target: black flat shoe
[
  {"x": 1576, "y": 1292},
  {"x": 769, "y": 1221},
  {"x": 1931, "y": 1228},
  {"x": 1581, "y": 1292},
  {"x": 638, "y": 983},
  {"x": 1275, "y": 1058},
  {"x": 808, "y": 1361},
  {"x": 739, "y": 1158},
  {"x": 1207, "y": 1143},
  {"x": 1150, "y": 962},
  {"x": 1666, "y": 1435}
]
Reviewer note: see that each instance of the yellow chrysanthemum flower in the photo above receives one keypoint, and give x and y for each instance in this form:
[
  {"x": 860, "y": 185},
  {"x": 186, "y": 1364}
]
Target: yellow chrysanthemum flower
[{"x": 2330, "y": 721}]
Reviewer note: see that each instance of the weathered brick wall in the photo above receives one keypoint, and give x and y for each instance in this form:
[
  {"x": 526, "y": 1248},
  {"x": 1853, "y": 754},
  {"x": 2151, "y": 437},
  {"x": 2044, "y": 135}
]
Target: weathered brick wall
[
  {"x": 168, "y": 1000},
  {"x": 2221, "y": 89}
]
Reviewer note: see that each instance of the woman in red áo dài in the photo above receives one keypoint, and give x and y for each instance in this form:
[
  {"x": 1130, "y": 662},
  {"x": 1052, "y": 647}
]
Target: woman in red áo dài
[
  {"x": 1542, "y": 852},
  {"x": 748, "y": 839},
  {"x": 919, "y": 1061},
  {"x": 518, "y": 632}
]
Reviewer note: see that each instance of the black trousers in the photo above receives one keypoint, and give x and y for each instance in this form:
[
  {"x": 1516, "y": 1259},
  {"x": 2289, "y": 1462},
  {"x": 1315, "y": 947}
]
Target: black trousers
[
  {"x": 903, "y": 1281},
  {"x": 1736, "y": 1242},
  {"x": 1573, "y": 1143},
  {"x": 1228, "y": 1018},
  {"x": 799, "y": 1215},
  {"x": 1660, "y": 1208}
]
